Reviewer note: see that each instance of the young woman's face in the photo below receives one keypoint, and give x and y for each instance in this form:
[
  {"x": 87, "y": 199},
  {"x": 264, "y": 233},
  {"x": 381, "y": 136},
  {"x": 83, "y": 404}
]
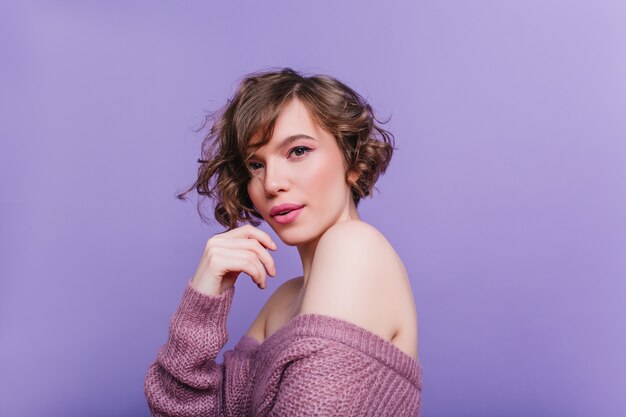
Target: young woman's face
[{"x": 301, "y": 165}]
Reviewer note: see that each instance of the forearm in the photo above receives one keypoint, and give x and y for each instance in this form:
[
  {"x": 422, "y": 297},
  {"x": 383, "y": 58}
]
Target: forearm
[{"x": 185, "y": 380}]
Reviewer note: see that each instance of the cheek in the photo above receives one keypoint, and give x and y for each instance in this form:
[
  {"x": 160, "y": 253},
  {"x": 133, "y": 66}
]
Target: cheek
[
  {"x": 324, "y": 176},
  {"x": 253, "y": 191}
]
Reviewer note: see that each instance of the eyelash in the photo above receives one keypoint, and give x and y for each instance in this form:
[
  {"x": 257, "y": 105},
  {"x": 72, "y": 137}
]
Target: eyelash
[{"x": 306, "y": 148}]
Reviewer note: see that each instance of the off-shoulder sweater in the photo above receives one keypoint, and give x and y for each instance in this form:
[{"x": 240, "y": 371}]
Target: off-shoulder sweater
[{"x": 315, "y": 365}]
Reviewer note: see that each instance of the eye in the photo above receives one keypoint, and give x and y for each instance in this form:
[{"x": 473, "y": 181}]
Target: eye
[
  {"x": 254, "y": 166},
  {"x": 296, "y": 150}
]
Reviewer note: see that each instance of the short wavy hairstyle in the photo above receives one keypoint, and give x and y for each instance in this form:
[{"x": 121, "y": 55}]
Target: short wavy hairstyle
[{"x": 252, "y": 113}]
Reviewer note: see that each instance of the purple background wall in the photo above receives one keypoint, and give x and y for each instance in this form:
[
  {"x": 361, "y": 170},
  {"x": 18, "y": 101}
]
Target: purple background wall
[{"x": 506, "y": 198}]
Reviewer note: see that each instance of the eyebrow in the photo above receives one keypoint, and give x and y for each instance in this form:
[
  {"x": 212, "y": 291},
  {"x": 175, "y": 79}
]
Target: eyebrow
[{"x": 289, "y": 140}]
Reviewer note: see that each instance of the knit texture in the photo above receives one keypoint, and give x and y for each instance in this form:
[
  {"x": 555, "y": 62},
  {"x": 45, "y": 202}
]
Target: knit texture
[{"x": 315, "y": 365}]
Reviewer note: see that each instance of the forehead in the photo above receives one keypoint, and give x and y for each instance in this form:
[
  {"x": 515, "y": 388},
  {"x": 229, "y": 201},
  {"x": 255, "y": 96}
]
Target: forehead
[{"x": 294, "y": 122}]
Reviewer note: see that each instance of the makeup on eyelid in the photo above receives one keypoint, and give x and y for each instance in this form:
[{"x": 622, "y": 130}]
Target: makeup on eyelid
[
  {"x": 291, "y": 139},
  {"x": 291, "y": 151}
]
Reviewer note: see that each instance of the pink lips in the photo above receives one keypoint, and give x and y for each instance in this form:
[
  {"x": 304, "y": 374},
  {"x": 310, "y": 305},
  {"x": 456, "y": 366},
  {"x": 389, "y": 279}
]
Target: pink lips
[
  {"x": 284, "y": 207},
  {"x": 289, "y": 217}
]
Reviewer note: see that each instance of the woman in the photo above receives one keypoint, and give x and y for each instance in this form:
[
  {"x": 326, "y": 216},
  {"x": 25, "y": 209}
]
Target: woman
[{"x": 299, "y": 153}]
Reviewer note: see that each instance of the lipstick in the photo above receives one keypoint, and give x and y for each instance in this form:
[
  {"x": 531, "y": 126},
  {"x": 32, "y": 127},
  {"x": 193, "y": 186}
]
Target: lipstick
[{"x": 289, "y": 217}]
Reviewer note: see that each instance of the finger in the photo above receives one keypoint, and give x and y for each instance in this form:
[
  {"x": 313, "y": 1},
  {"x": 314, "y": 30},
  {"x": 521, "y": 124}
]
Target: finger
[
  {"x": 255, "y": 246},
  {"x": 249, "y": 263},
  {"x": 250, "y": 232}
]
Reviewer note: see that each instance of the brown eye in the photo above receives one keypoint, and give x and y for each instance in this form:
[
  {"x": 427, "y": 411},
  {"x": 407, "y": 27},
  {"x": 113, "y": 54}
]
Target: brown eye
[
  {"x": 254, "y": 166},
  {"x": 304, "y": 150}
]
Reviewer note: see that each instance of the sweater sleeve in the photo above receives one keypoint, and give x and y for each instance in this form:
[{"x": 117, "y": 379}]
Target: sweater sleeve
[{"x": 185, "y": 379}]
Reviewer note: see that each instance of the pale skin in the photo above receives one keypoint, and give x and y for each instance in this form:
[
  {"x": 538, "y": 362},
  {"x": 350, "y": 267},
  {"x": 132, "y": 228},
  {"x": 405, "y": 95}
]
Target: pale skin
[
  {"x": 316, "y": 180},
  {"x": 311, "y": 171}
]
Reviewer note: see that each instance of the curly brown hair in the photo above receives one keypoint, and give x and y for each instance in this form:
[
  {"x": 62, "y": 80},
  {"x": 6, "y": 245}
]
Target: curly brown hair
[{"x": 252, "y": 113}]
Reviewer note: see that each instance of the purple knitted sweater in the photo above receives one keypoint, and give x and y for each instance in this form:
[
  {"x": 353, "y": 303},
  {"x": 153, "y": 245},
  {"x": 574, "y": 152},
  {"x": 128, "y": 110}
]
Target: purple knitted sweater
[{"x": 315, "y": 365}]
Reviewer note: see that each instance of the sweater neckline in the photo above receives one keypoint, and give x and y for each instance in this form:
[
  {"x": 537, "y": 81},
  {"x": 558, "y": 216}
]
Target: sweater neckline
[{"x": 348, "y": 333}]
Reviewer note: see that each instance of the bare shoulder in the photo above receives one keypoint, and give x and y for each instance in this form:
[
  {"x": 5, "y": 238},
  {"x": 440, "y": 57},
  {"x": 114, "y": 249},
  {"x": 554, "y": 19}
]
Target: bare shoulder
[
  {"x": 281, "y": 294},
  {"x": 352, "y": 229},
  {"x": 353, "y": 239},
  {"x": 357, "y": 276},
  {"x": 357, "y": 247}
]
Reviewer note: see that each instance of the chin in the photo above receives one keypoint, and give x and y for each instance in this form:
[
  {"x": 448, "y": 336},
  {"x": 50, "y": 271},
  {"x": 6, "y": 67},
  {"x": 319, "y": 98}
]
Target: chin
[
  {"x": 293, "y": 237},
  {"x": 289, "y": 240}
]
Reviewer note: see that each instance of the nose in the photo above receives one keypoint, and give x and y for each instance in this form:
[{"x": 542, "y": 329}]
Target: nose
[{"x": 275, "y": 179}]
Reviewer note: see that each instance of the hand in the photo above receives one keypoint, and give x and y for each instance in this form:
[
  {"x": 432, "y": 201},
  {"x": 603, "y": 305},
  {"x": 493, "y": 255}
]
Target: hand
[{"x": 227, "y": 254}]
